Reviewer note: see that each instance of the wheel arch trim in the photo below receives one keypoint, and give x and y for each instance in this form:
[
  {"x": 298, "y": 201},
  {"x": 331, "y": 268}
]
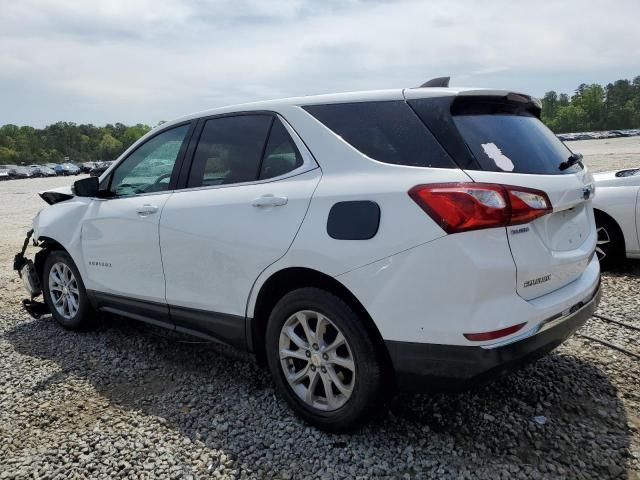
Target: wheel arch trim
[{"x": 285, "y": 280}]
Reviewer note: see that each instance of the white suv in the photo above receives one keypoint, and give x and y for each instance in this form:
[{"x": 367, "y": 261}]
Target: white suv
[{"x": 355, "y": 242}]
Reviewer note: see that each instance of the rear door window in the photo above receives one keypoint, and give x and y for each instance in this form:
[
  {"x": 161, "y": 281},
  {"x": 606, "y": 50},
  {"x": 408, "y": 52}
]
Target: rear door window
[
  {"x": 386, "y": 131},
  {"x": 229, "y": 150},
  {"x": 243, "y": 148}
]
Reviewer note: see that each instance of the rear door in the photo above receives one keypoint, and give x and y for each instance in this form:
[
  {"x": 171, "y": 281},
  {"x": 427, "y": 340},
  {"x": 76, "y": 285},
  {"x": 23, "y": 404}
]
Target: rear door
[
  {"x": 248, "y": 191},
  {"x": 501, "y": 140}
]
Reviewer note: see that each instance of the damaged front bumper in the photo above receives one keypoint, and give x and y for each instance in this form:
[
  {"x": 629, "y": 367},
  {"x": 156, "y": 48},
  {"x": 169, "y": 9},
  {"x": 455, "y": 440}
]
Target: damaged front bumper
[{"x": 27, "y": 270}]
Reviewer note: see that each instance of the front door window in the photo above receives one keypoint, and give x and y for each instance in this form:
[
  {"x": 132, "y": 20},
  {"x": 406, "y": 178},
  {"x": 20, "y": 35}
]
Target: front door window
[{"x": 148, "y": 169}]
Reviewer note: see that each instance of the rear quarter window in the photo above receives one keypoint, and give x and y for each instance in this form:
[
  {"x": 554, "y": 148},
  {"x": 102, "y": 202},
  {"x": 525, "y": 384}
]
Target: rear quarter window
[{"x": 387, "y": 131}]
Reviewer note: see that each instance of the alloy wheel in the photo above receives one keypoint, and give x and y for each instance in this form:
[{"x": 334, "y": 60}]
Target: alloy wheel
[
  {"x": 316, "y": 360},
  {"x": 63, "y": 288},
  {"x": 602, "y": 243}
]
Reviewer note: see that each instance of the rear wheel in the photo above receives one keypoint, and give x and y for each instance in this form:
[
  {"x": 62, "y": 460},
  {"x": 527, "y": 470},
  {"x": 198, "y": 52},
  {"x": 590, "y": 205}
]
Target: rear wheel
[
  {"x": 610, "y": 241},
  {"x": 323, "y": 360},
  {"x": 64, "y": 292}
]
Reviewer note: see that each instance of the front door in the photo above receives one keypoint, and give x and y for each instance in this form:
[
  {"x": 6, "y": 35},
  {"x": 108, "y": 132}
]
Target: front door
[
  {"x": 250, "y": 187},
  {"x": 120, "y": 240}
]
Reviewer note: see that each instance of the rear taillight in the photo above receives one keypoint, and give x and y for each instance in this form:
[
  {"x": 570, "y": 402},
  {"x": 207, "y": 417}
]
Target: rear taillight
[{"x": 460, "y": 207}]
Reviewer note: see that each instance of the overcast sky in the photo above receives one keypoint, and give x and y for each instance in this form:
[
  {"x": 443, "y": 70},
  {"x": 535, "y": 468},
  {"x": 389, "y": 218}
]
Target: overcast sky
[{"x": 149, "y": 60}]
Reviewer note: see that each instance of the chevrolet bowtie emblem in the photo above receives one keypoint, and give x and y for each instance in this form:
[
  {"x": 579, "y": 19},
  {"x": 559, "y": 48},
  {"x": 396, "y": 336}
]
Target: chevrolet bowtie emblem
[{"x": 587, "y": 191}]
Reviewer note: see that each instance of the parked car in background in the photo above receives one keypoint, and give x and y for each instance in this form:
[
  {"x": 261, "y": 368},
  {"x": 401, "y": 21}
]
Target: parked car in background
[
  {"x": 566, "y": 137},
  {"x": 100, "y": 168},
  {"x": 41, "y": 171},
  {"x": 67, "y": 169},
  {"x": 8, "y": 168},
  {"x": 356, "y": 243},
  {"x": 86, "y": 167},
  {"x": 4, "y": 173},
  {"x": 617, "y": 213},
  {"x": 19, "y": 172},
  {"x": 44, "y": 171},
  {"x": 34, "y": 170},
  {"x": 52, "y": 166}
]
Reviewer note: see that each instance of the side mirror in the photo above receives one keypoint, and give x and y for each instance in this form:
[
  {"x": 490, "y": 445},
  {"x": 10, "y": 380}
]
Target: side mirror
[{"x": 87, "y": 187}]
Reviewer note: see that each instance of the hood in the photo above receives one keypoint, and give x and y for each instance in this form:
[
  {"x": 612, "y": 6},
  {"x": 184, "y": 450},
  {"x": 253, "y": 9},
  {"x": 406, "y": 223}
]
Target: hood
[{"x": 56, "y": 195}]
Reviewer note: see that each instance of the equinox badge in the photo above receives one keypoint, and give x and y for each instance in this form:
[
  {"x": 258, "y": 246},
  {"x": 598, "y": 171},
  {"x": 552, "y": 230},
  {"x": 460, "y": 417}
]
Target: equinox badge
[{"x": 537, "y": 281}]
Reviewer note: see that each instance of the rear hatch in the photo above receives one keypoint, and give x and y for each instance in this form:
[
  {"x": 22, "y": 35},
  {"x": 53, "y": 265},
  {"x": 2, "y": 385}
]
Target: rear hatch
[{"x": 500, "y": 139}]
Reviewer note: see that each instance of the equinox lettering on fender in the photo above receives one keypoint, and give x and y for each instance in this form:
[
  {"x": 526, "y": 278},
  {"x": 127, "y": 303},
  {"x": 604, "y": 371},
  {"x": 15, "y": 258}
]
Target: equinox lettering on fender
[
  {"x": 99, "y": 264},
  {"x": 537, "y": 281}
]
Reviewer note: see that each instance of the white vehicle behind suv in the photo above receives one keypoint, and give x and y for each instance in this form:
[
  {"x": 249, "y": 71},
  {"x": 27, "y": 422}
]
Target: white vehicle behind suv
[{"x": 355, "y": 242}]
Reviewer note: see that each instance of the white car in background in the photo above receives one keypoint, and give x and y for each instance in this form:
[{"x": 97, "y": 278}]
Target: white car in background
[
  {"x": 617, "y": 210},
  {"x": 354, "y": 242}
]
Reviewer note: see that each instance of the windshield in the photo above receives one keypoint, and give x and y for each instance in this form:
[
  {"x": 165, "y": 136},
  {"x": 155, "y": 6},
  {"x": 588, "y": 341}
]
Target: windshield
[{"x": 513, "y": 143}]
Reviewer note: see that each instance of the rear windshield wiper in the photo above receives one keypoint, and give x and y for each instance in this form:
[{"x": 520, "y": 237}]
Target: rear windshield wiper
[{"x": 571, "y": 161}]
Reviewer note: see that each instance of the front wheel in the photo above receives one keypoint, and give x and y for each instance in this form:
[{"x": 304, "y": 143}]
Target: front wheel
[
  {"x": 324, "y": 361},
  {"x": 64, "y": 292}
]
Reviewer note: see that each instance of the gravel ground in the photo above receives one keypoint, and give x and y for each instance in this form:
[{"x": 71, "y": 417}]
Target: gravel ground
[
  {"x": 132, "y": 401},
  {"x": 609, "y": 154}
]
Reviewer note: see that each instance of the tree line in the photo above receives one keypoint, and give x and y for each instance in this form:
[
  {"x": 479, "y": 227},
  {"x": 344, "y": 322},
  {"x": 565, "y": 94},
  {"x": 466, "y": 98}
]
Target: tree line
[
  {"x": 80, "y": 143},
  {"x": 594, "y": 107}
]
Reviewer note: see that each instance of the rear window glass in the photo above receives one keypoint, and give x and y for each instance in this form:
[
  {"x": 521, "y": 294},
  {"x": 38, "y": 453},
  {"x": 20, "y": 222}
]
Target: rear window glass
[
  {"x": 494, "y": 133},
  {"x": 387, "y": 131},
  {"x": 513, "y": 143}
]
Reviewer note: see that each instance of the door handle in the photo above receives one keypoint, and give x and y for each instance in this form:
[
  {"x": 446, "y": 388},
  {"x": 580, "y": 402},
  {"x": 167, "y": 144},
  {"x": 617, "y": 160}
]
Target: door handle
[
  {"x": 269, "y": 201},
  {"x": 147, "y": 210}
]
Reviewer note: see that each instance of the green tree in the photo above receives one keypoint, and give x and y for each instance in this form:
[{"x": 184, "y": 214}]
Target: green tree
[
  {"x": 131, "y": 134},
  {"x": 109, "y": 147},
  {"x": 571, "y": 118},
  {"x": 549, "y": 106},
  {"x": 592, "y": 102},
  {"x": 563, "y": 100},
  {"x": 8, "y": 155}
]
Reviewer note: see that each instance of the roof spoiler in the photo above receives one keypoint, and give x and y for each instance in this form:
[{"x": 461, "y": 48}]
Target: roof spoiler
[{"x": 436, "y": 82}]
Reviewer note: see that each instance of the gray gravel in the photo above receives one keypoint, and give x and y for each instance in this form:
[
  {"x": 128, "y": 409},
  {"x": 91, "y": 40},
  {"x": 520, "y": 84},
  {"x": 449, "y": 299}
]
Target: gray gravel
[{"x": 131, "y": 401}]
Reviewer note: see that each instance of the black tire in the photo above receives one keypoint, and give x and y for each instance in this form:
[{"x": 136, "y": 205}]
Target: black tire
[
  {"x": 84, "y": 317},
  {"x": 368, "y": 395},
  {"x": 610, "y": 243}
]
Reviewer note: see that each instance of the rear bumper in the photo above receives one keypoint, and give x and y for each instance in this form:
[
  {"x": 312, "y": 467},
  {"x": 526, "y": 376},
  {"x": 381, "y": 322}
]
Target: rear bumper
[{"x": 427, "y": 367}]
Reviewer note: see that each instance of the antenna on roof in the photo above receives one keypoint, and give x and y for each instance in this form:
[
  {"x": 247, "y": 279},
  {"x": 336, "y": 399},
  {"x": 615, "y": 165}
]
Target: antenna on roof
[{"x": 436, "y": 82}]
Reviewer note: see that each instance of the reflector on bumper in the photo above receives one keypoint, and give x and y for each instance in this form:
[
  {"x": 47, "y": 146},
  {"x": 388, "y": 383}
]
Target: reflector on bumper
[{"x": 483, "y": 336}]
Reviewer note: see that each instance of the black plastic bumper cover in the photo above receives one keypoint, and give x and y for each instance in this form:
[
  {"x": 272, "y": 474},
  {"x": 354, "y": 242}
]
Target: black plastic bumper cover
[{"x": 428, "y": 367}]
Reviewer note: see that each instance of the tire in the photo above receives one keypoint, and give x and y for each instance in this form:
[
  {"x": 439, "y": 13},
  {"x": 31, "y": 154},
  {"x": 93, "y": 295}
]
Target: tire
[
  {"x": 610, "y": 243},
  {"x": 61, "y": 300},
  {"x": 353, "y": 370}
]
